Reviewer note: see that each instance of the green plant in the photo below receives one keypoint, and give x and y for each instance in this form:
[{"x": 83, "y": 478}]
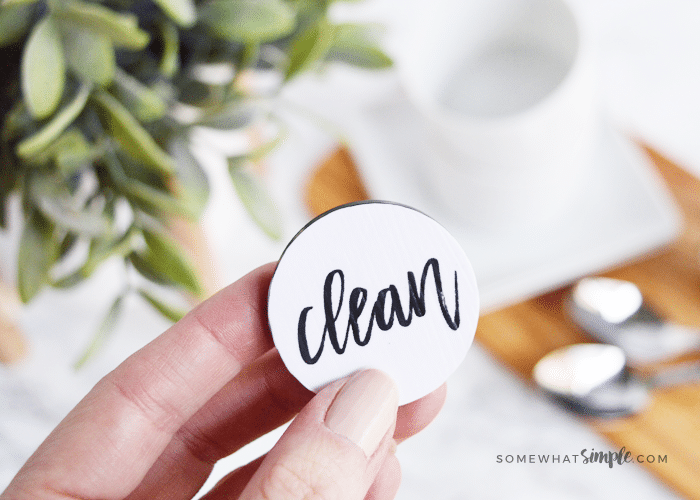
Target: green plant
[{"x": 98, "y": 99}]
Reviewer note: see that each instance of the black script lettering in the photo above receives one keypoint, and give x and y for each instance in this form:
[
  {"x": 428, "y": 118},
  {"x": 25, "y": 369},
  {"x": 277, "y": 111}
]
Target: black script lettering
[
  {"x": 303, "y": 344},
  {"x": 358, "y": 299},
  {"x": 355, "y": 311},
  {"x": 328, "y": 309},
  {"x": 330, "y": 321},
  {"x": 417, "y": 301}
]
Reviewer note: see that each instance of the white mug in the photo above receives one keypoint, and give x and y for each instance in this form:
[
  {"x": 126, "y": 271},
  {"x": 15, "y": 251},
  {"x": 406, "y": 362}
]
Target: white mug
[{"x": 508, "y": 89}]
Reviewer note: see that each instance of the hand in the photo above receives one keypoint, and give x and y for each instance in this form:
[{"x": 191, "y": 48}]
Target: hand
[{"x": 213, "y": 382}]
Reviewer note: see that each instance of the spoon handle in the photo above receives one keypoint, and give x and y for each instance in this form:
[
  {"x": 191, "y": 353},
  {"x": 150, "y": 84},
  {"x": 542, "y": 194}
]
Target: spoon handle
[
  {"x": 685, "y": 373},
  {"x": 679, "y": 339}
]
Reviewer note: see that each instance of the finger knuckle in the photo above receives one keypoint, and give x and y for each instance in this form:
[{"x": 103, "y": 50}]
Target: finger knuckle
[{"x": 285, "y": 482}]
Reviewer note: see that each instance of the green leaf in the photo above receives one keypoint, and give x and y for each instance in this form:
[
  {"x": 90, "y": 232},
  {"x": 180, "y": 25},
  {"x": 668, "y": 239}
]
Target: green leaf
[
  {"x": 34, "y": 144},
  {"x": 146, "y": 104},
  {"x": 43, "y": 69},
  {"x": 234, "y": 117},
  {"x": 104, "y": 330},
  {"x": 17, "y": 122},
  {"x": 90, "y": 55},
  {"x": 38, "y": 250},
  {"x": 54, "y": 200},
  {"x": 122, "y": 29},
  {"x": 257, "y": 202},
  {"x": 191, "y": 177},
  {"x": 75, "y": 154},
  {"x": 164, "y": 262},
  {"x": 67, "y": 138},
  {"x": 71, "y": 152},
  {"x": 149, "y": 199},
  {"x": 9, "y": 175},
  {"x": 145, "y": 269},
  {"x": 309, "y": 12},
  {"x": 155, "y": 201},
  {"x": 12, "y": 3},
  {"x": 171, "y": 262},
  {"x": 10, "y": 167},
  {"x": 354, "y": 44},
  {"x": 265, "y": 149},
  {"x": 310, "y": 46},
  {"x": 68, "y": 243},
  {"x": 131, "y": 135},
  {"x": 170, "y": 62},
  {"x": 260, "y": 152},
  {"x": 250, "y": 55},
  {"x": 14, "y": 22},
  {"x": 3, "y": 210},
  {"x": 248, "y": 21},
  {"x": 172, "y": 313},
  {"x": 181, "y": 11},
  {"x": 101, "y": 249},
  {"x": 71, "y": 280}
]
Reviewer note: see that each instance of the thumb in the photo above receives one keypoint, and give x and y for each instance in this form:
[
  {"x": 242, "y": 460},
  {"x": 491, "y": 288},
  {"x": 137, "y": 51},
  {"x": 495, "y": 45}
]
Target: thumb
[{"x": 335, "y": 447}]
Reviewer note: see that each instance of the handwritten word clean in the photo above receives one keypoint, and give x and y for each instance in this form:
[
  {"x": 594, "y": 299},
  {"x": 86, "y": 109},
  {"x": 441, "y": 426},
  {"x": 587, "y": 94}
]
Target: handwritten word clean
[{"x": 357, "y": 302}]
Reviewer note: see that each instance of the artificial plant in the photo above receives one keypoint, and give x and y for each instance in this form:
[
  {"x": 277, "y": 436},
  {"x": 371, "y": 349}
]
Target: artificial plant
[{"x": 98, "y": 99}]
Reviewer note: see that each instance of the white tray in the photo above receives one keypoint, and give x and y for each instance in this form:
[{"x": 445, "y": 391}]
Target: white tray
[{"x": 620, "y": 213}]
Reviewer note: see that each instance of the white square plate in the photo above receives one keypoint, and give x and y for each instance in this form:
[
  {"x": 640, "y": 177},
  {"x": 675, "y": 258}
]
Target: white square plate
[{"x": 619, "y": 213}]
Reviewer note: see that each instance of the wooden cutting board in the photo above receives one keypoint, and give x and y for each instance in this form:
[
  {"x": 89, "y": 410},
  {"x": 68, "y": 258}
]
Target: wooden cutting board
[{"x": 521, "y": 334}]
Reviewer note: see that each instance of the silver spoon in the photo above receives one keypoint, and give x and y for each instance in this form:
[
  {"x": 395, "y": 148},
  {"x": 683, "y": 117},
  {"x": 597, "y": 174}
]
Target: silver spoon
[
  {"x": 613, "y": 312},
  {"x": 593, "y": 380}
]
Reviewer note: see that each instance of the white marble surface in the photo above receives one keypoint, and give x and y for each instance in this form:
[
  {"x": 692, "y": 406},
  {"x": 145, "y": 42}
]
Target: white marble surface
[
  {"x": 490, "y": 412},
  {"x": 650, "y": 71}
]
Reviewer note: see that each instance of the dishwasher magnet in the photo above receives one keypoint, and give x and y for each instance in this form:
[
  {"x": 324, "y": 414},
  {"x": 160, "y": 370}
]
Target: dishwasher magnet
[{"x": 373, "y": 285}]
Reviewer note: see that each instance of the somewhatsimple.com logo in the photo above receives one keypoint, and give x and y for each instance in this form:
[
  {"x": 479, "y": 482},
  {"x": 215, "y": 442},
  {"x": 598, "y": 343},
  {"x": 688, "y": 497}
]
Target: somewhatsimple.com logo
[{"x": 585, "y": 456}]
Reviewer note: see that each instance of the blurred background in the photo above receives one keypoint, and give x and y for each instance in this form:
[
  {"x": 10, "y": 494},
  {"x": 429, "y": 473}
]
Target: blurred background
[{"x": 279, "y": 142}]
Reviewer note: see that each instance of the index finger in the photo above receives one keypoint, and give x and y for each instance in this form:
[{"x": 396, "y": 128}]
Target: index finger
[{"x": 106, "y": 444}]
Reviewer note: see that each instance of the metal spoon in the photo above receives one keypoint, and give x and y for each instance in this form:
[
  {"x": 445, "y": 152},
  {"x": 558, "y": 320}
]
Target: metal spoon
[
  {"x": 593, "y": 380},
  {"x": 613, "y": 312}
]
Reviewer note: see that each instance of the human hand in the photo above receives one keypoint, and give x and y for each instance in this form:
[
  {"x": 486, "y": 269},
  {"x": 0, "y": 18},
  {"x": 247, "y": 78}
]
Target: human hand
[{"x": 213, "y": 382}]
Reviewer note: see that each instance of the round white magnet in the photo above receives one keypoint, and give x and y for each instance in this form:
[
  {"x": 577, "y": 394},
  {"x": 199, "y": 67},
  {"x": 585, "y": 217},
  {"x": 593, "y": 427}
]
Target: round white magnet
[{"x": 373, "y": 285}]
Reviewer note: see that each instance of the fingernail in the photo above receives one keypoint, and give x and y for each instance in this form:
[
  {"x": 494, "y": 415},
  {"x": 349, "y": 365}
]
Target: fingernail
[{"x": 364, "y": 409}]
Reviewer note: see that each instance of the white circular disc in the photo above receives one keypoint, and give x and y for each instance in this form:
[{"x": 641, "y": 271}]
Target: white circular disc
[{"x": 374, "y": 285}]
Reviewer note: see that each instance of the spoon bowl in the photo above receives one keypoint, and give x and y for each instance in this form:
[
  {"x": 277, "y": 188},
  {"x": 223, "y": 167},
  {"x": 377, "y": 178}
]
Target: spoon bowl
[
  {"x": 591, "y": 380},
  {"x": 613, "y": 311},
  {"x": 594, "y": 380}
]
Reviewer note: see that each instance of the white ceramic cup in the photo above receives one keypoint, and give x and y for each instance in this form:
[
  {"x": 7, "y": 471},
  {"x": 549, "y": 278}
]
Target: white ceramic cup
[{"x": 508, "y": 89}]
